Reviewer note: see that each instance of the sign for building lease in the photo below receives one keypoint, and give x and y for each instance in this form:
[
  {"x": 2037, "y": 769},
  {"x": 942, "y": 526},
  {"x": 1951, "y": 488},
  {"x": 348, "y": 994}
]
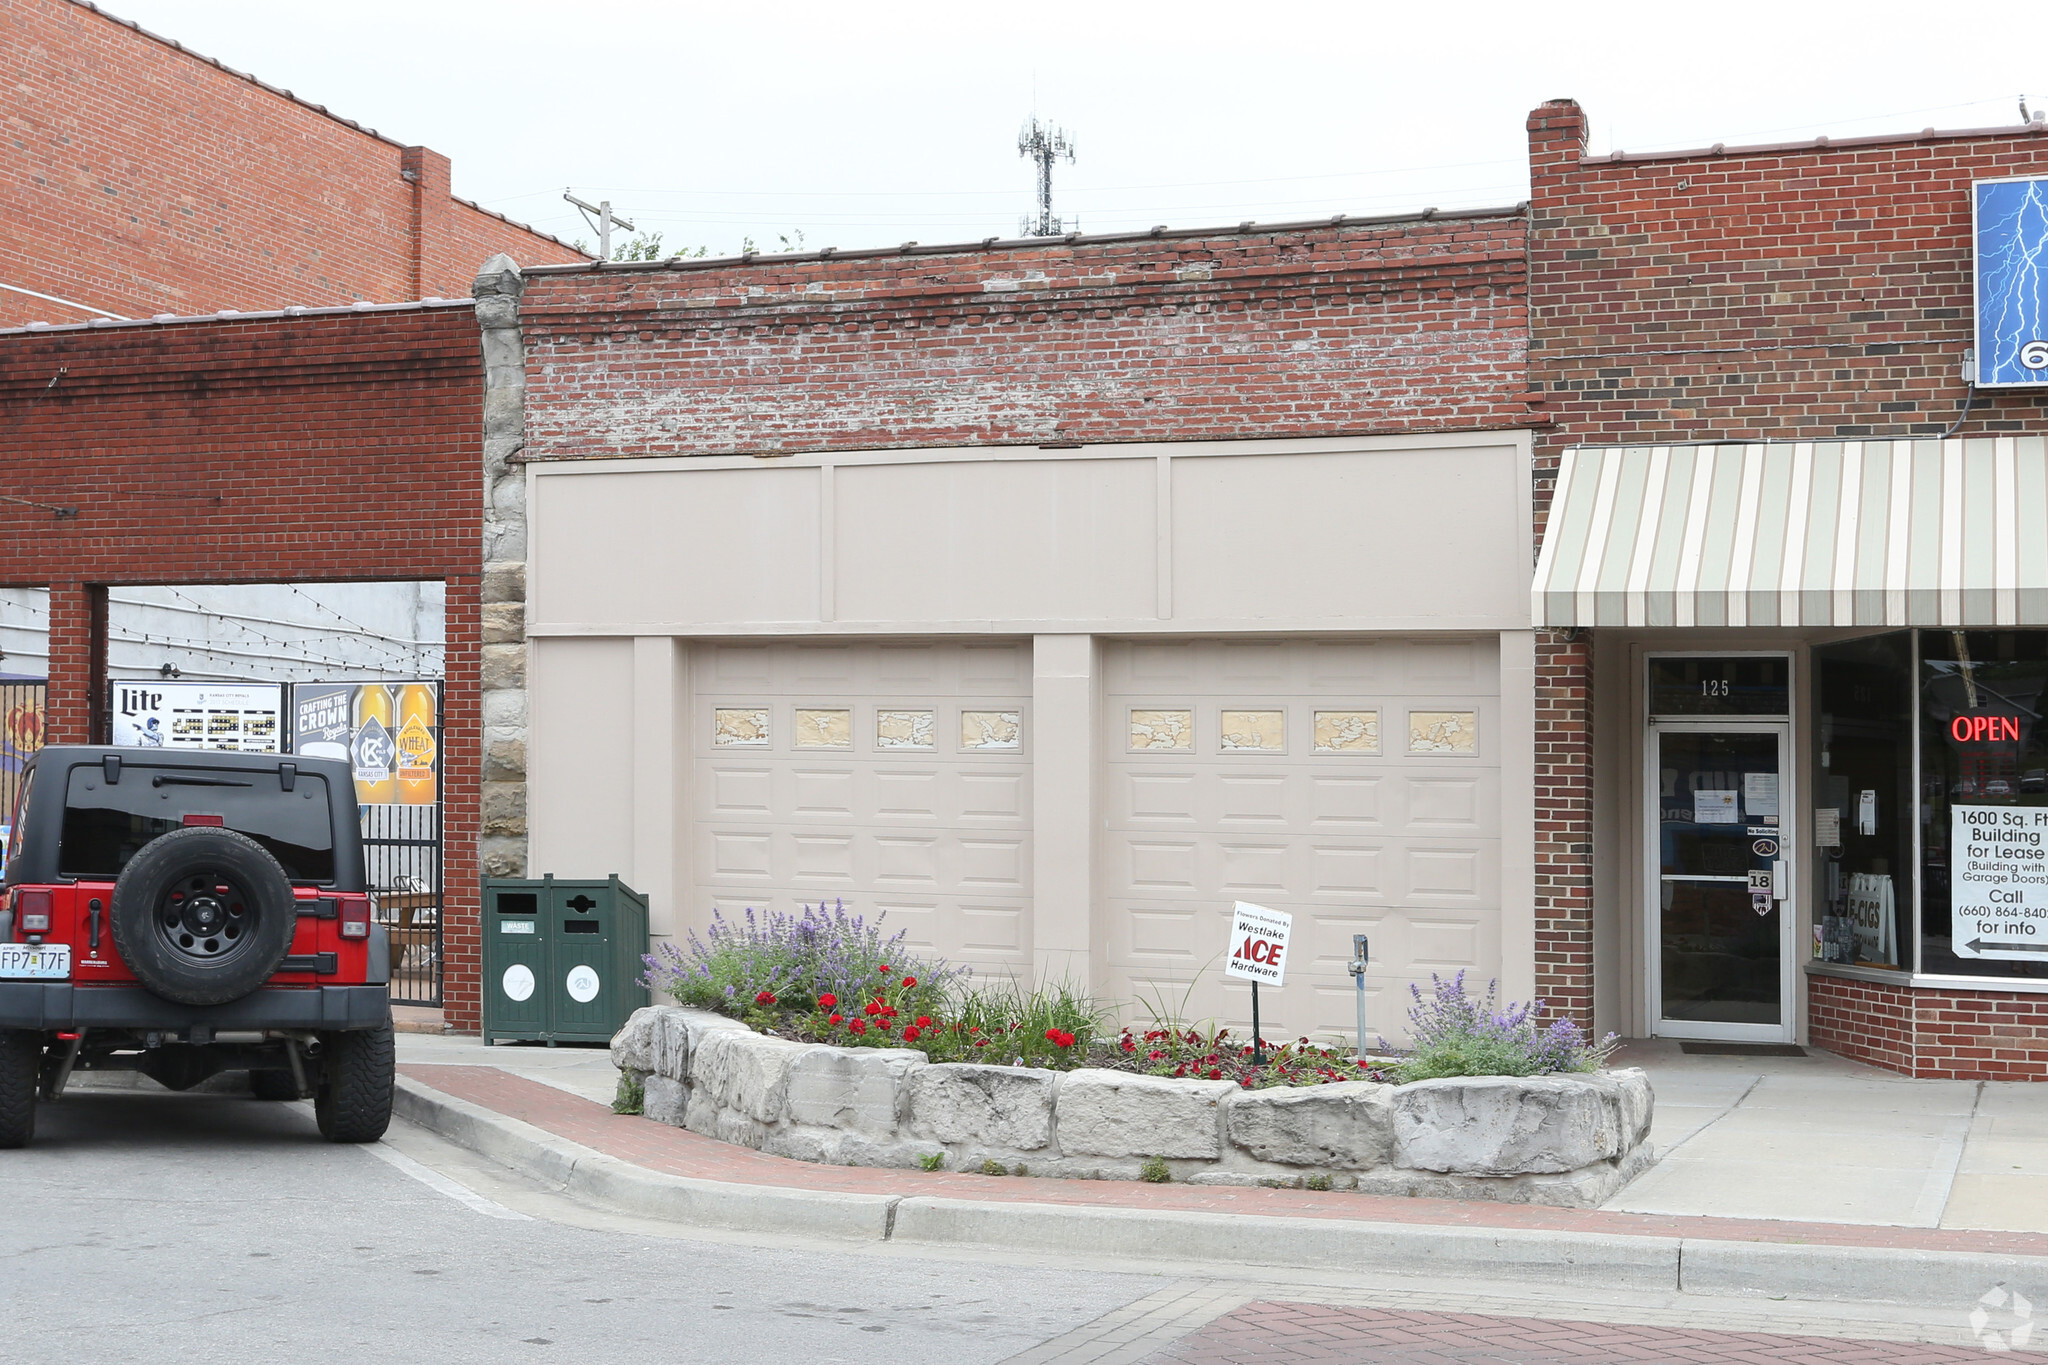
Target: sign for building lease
[
  {"x": 1258, "y": 944},
  {"x": 1998, "y": 881},
  {"x": 388, "y": 732},
  {"x": 2011, "y": 232},
  {"x": 239, "y": 717}
]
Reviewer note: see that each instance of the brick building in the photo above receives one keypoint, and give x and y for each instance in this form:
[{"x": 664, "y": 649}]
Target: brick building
[
  {"x": 1045, "y": 596},
  {"x": 337, "y": 444},
  {"x": 1793, "y": 547},
  {"x": 147, "y": 179}
]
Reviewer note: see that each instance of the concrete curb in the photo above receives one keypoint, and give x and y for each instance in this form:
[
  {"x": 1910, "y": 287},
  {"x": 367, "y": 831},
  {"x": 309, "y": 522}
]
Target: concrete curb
[{"x": 1892, "y": 1275}]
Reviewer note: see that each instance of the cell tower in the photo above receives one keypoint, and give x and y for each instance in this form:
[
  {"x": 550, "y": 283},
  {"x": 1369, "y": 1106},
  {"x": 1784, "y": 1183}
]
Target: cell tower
[{"x": 1044, "y": 144}]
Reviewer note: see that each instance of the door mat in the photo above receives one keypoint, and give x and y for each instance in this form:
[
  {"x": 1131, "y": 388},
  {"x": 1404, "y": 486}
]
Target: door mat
[{"x": 1698, "y": 1049}]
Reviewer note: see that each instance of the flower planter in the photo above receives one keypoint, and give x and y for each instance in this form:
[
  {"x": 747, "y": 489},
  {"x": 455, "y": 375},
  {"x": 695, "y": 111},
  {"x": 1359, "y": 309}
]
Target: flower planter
[{"x": 1569, "y": 1140}]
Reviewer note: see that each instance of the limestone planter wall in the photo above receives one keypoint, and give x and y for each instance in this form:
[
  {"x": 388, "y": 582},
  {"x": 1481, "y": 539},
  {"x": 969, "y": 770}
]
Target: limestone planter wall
[{"x": 1565, "y": 1140}]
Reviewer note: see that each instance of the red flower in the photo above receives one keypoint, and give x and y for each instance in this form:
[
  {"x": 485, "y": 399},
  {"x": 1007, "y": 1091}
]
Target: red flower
[
  {"x": 836, "y": 1019},
  {"x": 1059, "y": 1037},
  {"x": 872, "y": 1007},
  {"x": 924, "y": 1021},
  {"x": 765, "y": 998},
  {"x": 908, "y": 982},
  {"x": 858, "y": 1027},
  {"x": 974, "y": 1028},
  {"x": 981, "y": 1042},
  {"x": 1215, "y": 1075},
  {"x": 910, "y": 1033},
  {"x": 1052, "y": 1035},
  {"x": 1127, "y": 1045},
  {"x": 1155, "y": 1056},
  {"x": 883, "y": 969},
  {"x": 827, "y": 1001},
  {"x": 882, "y": 1024}
]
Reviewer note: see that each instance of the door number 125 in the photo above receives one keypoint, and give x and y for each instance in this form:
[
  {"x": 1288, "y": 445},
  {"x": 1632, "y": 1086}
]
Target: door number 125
[{"x": 1713, "y": 687}]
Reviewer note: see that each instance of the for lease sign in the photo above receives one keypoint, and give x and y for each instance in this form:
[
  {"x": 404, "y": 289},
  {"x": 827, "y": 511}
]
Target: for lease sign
[
  {"x": 1998, "y": 881},
  {"x": 1258, "y": 944}
]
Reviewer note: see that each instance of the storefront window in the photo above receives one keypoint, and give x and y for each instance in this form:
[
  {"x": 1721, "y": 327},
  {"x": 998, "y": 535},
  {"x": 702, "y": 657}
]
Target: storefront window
[
  {"x": 1984, "y": 803},
  {"x": 1863, "y": 833}
]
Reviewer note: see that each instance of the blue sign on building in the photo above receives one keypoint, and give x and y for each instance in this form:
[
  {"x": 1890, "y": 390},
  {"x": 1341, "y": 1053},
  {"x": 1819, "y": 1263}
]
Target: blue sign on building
[{"x": 2011, "y": 222}]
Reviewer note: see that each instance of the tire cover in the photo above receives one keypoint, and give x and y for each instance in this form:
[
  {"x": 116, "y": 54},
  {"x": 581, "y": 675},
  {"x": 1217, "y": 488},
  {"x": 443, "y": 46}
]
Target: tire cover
[{"x": 265, "y": 915}]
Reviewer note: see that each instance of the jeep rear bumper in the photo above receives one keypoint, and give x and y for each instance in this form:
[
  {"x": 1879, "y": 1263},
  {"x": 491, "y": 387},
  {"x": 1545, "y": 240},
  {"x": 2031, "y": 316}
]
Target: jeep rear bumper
[{"x": 59, "y": 1005}]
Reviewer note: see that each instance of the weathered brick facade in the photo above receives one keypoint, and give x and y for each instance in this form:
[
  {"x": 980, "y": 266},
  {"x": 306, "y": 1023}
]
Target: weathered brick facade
[
  {"x": 1947, "y": 1035},
  {"x": 1331, "y": 330},
  {"x": 145, "y": 179},
  {"x": 294, "y": 449}
]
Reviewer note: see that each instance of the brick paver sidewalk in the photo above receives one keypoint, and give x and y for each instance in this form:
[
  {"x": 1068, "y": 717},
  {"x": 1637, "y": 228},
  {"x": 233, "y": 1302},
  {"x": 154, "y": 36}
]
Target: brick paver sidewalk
[
  {"x": 1300, "y": 1333},
  {"x": 658, "y": 1147}
]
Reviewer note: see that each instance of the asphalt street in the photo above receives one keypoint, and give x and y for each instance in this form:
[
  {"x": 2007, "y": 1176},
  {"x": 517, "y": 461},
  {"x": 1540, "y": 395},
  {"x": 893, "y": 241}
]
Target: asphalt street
[{"x": 149, "y": 1227}]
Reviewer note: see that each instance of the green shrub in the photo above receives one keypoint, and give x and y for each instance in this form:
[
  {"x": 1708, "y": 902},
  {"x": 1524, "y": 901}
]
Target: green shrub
[
  {"x": 1155, "y": 1172},
  {"x": 631, "y": 1095},
  {"x": 933, "y": 1162}
]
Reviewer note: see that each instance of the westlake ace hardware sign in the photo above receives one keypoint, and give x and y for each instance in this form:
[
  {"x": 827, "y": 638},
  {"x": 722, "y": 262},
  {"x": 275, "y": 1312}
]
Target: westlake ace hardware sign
[
  {"x": 1258, "y": 944},
  {"x": 1998, "y": 881}
]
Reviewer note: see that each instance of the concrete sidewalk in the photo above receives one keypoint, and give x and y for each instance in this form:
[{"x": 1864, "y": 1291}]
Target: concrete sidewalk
[{"x": 545, "y": 1111}]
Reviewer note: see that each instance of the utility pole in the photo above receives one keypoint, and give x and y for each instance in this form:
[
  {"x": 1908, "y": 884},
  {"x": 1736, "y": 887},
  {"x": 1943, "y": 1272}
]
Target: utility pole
[
  {"x": 1043, "y": 144},
  {"x": 601, "y": 218}
]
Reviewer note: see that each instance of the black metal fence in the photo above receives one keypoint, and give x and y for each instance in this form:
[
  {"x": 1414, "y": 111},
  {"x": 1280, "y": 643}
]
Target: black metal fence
[{"x": 402, "y": 854}]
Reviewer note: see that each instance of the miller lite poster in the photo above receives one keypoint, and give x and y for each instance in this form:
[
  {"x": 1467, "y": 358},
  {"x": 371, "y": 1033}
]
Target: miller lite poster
[
  {"x": 238, "y": 717},
  {"x": 389, "y": 733}
]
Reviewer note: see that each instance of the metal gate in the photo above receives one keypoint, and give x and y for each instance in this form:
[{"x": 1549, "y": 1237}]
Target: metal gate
[
  {"x": 402, "y": 853},
  {"x": 21, "y": 734}
]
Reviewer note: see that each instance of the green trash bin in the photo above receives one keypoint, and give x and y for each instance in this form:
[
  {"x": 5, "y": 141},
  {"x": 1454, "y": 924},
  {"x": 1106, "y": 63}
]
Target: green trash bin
[{"x": 562, "y": 958}]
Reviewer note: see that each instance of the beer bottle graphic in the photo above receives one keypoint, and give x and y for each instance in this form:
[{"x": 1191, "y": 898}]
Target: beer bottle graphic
[
  {"x": 416, "y": 786},
  {"x": 371, "y": 751}
]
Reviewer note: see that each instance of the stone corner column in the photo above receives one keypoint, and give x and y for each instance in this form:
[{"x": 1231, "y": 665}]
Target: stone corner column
[
  {"x": 502, "y": 842},
  {"x": 1065, "y": 714}
]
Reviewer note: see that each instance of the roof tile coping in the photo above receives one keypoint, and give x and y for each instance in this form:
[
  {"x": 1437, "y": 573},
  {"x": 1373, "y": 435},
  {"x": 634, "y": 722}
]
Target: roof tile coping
[
  {"x": 1822, "y": 143},
  {"x": 989, "y": 244},
  {"x": 231, "y": 315}
]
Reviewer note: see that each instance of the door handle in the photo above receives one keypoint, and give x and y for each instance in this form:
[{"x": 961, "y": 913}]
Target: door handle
[{"x": 1778, "y": 888}]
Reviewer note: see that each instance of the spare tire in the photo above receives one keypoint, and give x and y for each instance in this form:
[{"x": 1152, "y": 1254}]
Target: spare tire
[{"x": 203, "y": 915}]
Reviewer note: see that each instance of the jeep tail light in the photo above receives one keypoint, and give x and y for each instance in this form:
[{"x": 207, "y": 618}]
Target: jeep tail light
[
  {"x": 214, "y": 821},
  {"x": 33, "y": 909},
  {"x": 355, "y": 917}
]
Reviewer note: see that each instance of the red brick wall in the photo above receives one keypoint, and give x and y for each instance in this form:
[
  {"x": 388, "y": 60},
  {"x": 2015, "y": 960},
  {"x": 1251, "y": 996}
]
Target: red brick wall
[
  {"x": 1944, "y": 1035},
  {"x": 282, "y": 450},
  {"x": 145, "y": 179},
  {"x": 1819, "y": 292},
  {"x": 1564, "y": 825},
  {"x": 1403, "y": 327}
]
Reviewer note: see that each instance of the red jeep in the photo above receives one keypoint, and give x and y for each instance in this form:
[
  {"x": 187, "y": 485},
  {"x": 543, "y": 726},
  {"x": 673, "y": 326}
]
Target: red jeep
[{"x": 185, "y": 913}]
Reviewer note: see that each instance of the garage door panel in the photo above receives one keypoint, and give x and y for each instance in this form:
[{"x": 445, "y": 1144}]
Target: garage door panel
[
  {"x": 1341, "y": 819},
  {"x": 843, "y": 776}
]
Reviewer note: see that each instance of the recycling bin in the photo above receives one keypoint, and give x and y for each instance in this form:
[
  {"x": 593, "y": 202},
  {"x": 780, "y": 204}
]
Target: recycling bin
[{"x": 562, "y": 958}]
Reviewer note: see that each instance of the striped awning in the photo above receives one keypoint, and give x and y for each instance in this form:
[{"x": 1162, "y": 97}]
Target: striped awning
[{"x": 1826, "y": 533}]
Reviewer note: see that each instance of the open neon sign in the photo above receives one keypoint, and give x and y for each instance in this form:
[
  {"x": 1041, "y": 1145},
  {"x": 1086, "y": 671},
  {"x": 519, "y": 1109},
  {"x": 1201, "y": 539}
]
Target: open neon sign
[{"x": 1985, "y": 729}]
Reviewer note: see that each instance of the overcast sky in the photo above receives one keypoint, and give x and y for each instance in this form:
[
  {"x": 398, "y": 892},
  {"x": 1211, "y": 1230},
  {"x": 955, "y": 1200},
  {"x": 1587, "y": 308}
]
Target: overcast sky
[{"x": 864, "y": 125}]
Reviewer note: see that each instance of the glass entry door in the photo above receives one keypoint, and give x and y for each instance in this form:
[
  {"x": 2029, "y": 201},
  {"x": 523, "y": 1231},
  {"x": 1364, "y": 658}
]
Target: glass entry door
[{"x": 1721, "y": 909}]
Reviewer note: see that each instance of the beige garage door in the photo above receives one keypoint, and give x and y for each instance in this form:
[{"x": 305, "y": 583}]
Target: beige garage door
[
  {"x": 1355, "y": 785},
  {"x": 894, "y": 776}
]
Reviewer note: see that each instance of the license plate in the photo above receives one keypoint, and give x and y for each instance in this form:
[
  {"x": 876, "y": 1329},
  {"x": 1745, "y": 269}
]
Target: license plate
[{"x": 35, "y": 961}]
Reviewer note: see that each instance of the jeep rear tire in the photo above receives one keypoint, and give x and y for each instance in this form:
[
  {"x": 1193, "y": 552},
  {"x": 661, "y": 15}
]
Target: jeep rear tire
[
  {"x": 273, "y": 1085},
  {"x": 203, "y": 915},
  {"x": 353, "y": 1103},
  {"x": 21, "y": 1058}
]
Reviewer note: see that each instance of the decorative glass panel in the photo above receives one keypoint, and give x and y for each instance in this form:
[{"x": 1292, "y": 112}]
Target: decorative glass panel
[
  {"x": 906, "y": 730},
  {"x": 991, "y": 730},
  {"x": 739, "y": 728},
  {"x": 1443, "y": 732},
  {"x": 1260, "y": 731},
  {"x": 1162, "y": 730},
  {"x": 1347, "y": 732},
  {"x": 828, "y": 728}
]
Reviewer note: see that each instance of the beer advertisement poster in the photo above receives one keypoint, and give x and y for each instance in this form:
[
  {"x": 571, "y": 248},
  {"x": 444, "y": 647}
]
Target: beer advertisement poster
[
  {"x": 238, "y": 717},
  {"x": 389, "y": 733}
]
